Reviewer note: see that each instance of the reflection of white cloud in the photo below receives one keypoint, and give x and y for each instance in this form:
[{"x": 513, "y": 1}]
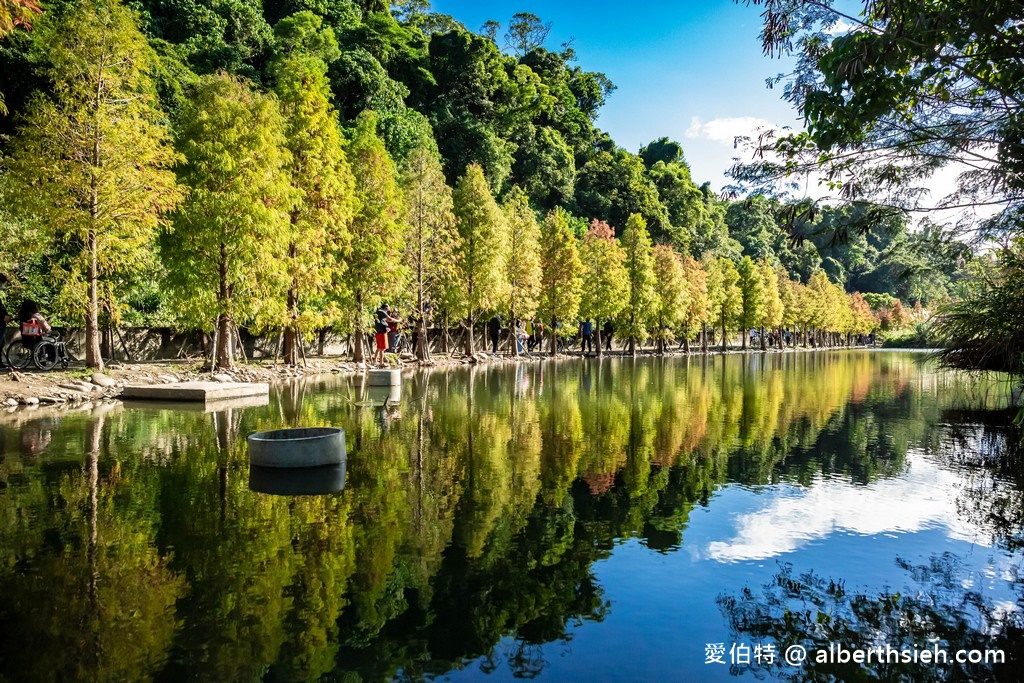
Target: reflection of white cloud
[
  {"x": 924, "y": 498},
  {"x": 726, "y": 130}
]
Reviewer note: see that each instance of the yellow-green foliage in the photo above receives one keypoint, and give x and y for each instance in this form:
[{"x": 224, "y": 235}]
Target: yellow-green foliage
[
  {"x": 636, "y": 316},
  {"x": 606, "y": 281},
  {"x": 480, "y": 267},
  {"x": 561, "y": 271},
  {"x": 92, "y": 157},
  {"x": 522, "y": 263},
  {"x": 226, "y": 253}
]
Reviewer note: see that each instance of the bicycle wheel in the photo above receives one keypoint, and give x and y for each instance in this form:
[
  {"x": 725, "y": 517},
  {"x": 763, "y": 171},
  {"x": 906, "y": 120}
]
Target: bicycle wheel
[
  {"x": 19, "y": 356},
  {"x": 45, "y": 355}
]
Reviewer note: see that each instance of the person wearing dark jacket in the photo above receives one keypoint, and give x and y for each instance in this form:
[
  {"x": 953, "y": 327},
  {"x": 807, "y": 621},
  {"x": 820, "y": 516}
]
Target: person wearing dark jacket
[
  {"x": 494, "y": 331},
  {"x": 607, "y": 331},
  {"x": 587, "y": 335}
]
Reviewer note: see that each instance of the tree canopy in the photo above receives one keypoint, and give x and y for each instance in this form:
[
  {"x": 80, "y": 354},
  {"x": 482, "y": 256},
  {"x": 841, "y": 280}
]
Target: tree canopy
[{"x": 903, "y": 90}]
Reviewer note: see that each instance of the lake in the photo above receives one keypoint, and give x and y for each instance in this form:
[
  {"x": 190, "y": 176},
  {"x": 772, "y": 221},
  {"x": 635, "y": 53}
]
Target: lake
[{"x": 609, "y": 520}]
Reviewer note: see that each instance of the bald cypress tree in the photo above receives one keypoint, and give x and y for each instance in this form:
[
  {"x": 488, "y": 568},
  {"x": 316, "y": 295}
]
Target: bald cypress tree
[
  {"x": 226, "y": 255},
  {"x": 522, "y": 265},
  {"x": 92, "y": 158},
  {"x": 671, "y": 293},
  {"x": 606, "y": 282},
  {"x": 319, "y": 173},
  {"x": 640, "y": 266},
  {"x": 433, "y": 241},
  {"x": 376, "y": 264},
  {"x": 752, "y": 290},
  {"x": 479, "y": 282},
  {"x": 562, "y": 273}
]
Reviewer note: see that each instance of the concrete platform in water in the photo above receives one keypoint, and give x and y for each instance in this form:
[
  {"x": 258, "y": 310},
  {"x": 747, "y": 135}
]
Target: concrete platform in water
[
  {"x": 194, "y": 391},
  {"x": 384, "y": 378},
  {"x": 212, "y": 406}
]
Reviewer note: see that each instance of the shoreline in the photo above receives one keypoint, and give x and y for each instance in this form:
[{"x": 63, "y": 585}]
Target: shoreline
[{"x": 25, "y": 390}]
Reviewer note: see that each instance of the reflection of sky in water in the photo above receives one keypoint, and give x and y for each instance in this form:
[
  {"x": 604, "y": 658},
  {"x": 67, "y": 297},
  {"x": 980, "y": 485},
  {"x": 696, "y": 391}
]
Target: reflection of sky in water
[
  {"x": 790, "y": 517},
  {"x": 663, "y": 605}
]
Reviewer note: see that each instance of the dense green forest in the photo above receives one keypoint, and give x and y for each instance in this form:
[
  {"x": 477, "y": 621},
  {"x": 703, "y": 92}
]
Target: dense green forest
[{"x": 284, "y": 166}]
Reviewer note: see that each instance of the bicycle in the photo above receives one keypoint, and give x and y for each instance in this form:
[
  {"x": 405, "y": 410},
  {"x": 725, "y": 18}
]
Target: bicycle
[
  {"x": 50, "y": 351},
  {"x": 402, "y": 343}
]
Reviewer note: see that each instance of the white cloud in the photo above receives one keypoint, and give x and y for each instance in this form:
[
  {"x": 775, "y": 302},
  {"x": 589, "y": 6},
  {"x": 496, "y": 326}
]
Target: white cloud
[
  {"x": 726, "y": 130},
  {"x": 840, "y": 27},
  {"x": 924, "y": 498}
]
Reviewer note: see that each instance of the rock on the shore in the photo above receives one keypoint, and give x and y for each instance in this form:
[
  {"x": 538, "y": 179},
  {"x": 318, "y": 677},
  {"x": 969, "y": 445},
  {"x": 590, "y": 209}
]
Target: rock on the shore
[
  {"x": 223, "y": 377},
  {"x": 99, "y": 379},
  {"x": 31, "y": 401},
  {"x": 78, "y": 387}
]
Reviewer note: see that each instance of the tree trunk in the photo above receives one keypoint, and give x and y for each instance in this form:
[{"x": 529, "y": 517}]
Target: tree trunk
[
  {"x": 512, "y": 337},
  {"x": 469, "y": 337},
  {"x": 763, "y": 341},
  {"x": 704, "y": 338},
  {"x": 686, "y": 342},
  {"x": 357, "y": 331},
  {"x": 291, "y": 330},
  {"x": 422, "y": 350},
  {"x": 631, "y": 344},
  {"x": 746, "y": 333},
  {"x": 321, "y": 341},
  {"x": 554, "y": 336},
  {"x": 93, "y": 357},
  {"x": 597, "y": 336},
  {"x": 725, "y": 333},
  {"x": 291, "y": 347},
  {"x": 445, "y": 335},
  {"x": 224, "y": 351}
]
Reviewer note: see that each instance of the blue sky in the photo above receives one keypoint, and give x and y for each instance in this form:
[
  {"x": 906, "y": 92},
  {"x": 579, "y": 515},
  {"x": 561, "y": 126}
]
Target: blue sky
[{"x": 692, "y": 71}]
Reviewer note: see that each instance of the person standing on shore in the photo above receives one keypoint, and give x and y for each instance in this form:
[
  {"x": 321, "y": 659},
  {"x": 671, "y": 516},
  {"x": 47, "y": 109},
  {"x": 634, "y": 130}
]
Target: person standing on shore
[
  {"x": 393, "y": 321},
  {"x": 494, "y": 330},
  {"x": 587, "y": 336},
  {"x": 607, "y": 331},
  {"x": 382, "y": 318},
  {"x": 520, "y": 336},
  {"x": 537, "y": 338}
]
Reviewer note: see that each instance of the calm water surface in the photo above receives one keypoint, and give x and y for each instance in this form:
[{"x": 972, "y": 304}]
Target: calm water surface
[{"x": 601, "y": 520}]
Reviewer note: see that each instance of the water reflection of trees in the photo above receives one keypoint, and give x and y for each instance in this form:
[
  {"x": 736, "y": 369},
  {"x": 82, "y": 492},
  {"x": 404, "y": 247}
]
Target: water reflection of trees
[
  {"x": 936, "y": 611},
  {"x": 473, "y": 513},
  {"x": 86, "y": 593},
  {"x": 942, "y": 603},
  {"x": 987, "y": 447}
]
